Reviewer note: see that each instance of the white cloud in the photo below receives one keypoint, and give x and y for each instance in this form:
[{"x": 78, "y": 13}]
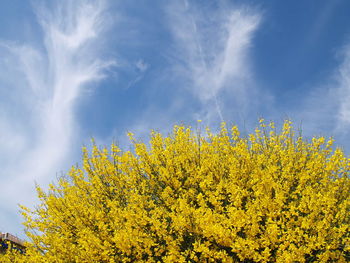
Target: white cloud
[
  {"x": 141, "y": 65},
  {"x": 212, "y": 51},
  {"x": 324, "y": 109},
  {"x": 38, "y": 140},
  {"x": 343, "y": 77}
]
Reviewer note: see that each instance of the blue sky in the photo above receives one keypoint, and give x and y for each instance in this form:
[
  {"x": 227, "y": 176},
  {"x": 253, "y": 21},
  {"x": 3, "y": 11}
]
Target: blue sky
[{"x": 73, "y": 70}]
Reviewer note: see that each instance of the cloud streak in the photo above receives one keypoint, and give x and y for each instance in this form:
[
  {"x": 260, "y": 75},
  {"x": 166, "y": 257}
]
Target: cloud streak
[
  {"x": 53, "y": 75},
  {"x": 343, "y": 78},
  {"x": 212, "y": 50},
  {"x": 324, "y": 109}
]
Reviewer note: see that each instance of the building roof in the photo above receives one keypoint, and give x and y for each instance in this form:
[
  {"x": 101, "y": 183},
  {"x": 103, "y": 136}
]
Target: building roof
[{"x": 11, "y": 238}]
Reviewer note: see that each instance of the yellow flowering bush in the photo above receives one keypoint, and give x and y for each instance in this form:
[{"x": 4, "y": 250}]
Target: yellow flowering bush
[{"x": 190, "y": 197}]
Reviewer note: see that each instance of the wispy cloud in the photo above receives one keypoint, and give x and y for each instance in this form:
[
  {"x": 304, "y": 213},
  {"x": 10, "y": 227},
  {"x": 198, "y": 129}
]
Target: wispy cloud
[
  {"x": 325, "y": 105},
  {"x": 53, "y": 76},
  {"x": 212, "y": 51},
  {"x": 343, "y": 77},
  {"x": 141, "y": 67}
]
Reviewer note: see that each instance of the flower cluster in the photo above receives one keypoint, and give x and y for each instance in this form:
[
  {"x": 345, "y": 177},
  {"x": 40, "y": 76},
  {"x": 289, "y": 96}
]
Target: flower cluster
[{"x": 271, "y": 196}]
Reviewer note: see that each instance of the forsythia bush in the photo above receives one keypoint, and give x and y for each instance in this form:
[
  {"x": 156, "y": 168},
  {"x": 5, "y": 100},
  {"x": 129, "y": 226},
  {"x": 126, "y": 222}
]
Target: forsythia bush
[{"x": 190, "y": 197}]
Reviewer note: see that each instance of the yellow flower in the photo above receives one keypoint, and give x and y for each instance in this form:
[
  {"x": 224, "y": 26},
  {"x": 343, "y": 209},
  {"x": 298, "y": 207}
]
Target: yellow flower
[{"x": 185, "y": 197}]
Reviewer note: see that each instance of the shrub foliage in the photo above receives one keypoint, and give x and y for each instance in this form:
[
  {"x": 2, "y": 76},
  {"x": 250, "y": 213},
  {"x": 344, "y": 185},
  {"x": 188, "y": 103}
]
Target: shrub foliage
[{"x": 271, "y": 196}]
